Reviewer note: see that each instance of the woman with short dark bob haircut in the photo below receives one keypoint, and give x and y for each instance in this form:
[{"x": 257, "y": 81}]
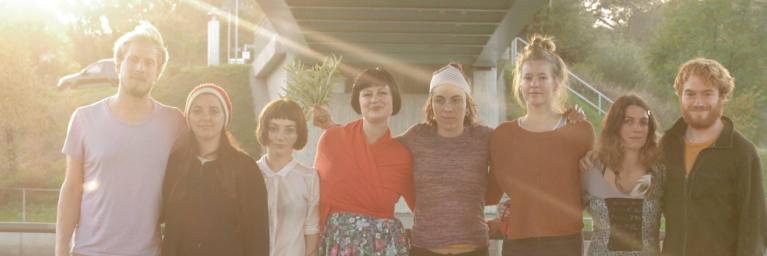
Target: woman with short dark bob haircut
[
  {"x": 363, "y": 173},
  {"x": 294, "y": 189}
]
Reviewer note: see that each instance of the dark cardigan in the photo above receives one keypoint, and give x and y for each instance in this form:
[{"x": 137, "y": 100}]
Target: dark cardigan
[
  {"x": 249, "y": 215},
  {"x": 719, "y": 208}
]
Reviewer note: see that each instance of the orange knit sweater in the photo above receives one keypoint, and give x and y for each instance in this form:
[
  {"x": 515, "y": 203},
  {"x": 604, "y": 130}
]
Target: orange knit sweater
[{"x": 539, "y": 171}]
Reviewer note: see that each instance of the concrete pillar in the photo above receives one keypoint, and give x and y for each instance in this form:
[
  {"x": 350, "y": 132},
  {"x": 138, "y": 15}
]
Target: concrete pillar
[
  {"x": 214, "y": 47},
  {"x": 486, "y": 95}
]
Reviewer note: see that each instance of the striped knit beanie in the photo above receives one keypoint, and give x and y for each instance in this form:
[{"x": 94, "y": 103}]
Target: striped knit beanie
[{"x": 215, "y": 90}]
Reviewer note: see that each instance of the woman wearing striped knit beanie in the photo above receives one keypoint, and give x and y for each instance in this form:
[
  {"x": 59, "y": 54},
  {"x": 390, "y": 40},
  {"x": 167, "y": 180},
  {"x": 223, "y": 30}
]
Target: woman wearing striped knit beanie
[{"x": 214, "y": 195}]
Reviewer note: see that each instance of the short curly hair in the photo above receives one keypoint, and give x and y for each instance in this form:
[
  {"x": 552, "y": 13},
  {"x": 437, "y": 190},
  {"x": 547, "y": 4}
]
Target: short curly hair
[{"x": 710, "y": 71}]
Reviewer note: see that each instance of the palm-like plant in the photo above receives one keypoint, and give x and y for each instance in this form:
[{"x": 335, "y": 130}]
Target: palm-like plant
[{"x": 311, "y": 86}]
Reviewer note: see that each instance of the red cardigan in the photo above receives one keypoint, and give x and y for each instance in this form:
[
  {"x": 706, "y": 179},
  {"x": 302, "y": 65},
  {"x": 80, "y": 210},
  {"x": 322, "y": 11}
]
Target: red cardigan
[{"x": 362, "y": 178}]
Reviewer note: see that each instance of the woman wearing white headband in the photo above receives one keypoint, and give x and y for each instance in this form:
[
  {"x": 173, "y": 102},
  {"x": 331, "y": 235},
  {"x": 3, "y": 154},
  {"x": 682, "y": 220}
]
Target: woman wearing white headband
[
  {"x": 450, "y": 155},
  {"x": 450, "y": 152}
]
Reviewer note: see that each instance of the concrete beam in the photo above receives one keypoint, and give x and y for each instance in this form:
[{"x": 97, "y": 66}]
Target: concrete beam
[
  {"x": 519, "y": 15},
  {"x": 269, "y": 58}
]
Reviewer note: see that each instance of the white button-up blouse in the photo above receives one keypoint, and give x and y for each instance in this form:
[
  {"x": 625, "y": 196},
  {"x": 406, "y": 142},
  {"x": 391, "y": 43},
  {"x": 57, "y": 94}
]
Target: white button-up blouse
[{"x": 294, "y": 193}]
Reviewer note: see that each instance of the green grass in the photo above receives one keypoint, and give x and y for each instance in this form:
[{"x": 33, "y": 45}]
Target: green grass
[
  {"x": 763, "y": 155},
  {"x": 41, "y": 206},
  {"x": 592, "y": 114}
]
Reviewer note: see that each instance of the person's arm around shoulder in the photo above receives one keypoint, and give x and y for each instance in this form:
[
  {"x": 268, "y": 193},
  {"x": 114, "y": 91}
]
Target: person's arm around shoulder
[
  {"x": 327, "y": 144},
  {"x": 312, "y": 222},
  {"x": 589, "y": 136},
  {"x": 68, "y": 210},
  {"x": 750, "y": 203},
  {"x": 493, "y": 193}
]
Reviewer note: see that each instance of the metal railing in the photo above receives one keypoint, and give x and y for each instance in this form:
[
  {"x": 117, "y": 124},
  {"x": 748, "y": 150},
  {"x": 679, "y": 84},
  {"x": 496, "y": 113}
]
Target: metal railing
[
  {"x": 26, "y": 202},
  {"x": 601, "y": 102}
]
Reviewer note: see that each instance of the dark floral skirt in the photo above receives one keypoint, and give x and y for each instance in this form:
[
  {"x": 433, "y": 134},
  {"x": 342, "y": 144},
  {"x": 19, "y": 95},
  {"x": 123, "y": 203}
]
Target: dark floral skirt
[{"x": 349, "y": 234}]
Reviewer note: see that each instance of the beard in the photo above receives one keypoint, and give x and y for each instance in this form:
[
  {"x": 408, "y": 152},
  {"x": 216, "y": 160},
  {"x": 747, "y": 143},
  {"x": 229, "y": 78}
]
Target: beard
[
  {"x": 138, "y": 92},
  {"x": 714, "y": 114},
  {"x": 138, "y": 89}
]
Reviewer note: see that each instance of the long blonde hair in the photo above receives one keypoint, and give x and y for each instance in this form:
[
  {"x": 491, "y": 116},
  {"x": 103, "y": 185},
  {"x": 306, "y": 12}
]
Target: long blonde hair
[{"x": 543, "y": 48}]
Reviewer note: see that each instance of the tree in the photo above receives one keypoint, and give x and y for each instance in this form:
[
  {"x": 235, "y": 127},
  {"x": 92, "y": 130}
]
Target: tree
[
  {"x": 24, "y": 101},
  {"x": 730, "y": 32},
  {"x": 618, "y": 14},
  {"x": 570, "y": 24},
  {"x": 95, "y": 25}
]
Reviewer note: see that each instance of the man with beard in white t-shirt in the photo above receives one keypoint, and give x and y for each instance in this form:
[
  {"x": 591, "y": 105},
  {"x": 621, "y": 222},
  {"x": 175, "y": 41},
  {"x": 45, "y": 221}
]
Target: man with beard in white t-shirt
[{"x": 117, "y": 150}]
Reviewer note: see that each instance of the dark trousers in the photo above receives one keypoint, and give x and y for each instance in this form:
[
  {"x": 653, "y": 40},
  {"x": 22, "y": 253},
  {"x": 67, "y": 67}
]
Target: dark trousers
[
  {"x": 570, "y": 245},
  {"x": 416, "y": 251}
]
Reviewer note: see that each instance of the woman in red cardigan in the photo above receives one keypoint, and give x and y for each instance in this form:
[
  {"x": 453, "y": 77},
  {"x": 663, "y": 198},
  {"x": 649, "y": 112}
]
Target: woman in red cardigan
[{"x": 363, "y": 172}]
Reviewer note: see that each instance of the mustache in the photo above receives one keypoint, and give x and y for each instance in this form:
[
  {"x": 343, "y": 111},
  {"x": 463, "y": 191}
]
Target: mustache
[
  {"x": 699, "y": 109},
  {"x": 137, "y": 76}
]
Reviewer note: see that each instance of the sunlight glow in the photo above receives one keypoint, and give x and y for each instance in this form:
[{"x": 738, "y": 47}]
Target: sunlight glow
[{"x": 90, "y": 186}]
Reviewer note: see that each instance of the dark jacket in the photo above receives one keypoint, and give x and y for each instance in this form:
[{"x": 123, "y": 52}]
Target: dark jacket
[
  {"x": 244, "y": 228},
  {"x": 719, "y": 208}
]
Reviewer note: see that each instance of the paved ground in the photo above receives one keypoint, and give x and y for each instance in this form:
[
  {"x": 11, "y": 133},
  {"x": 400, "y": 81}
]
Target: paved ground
[
  {"x": 26, "y": 244},
  {"x": 17, "y": 244}
]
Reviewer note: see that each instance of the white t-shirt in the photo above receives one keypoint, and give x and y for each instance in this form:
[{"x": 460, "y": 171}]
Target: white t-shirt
[
  {"x": 123, "y": 170},
  {"x": 294, "y": 193}
]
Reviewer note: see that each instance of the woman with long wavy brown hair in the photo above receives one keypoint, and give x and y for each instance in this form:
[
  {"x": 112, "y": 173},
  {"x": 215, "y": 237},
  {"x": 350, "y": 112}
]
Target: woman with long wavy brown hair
[{"x": 622, "y": 188}]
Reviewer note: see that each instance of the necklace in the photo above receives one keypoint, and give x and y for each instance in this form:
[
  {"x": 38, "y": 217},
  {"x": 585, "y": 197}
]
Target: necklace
[{"x": 618, "y": 184}]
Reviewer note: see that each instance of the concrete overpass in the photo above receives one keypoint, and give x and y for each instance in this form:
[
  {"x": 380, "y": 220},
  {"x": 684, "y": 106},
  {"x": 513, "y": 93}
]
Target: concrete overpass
[{"x": 409, "y": 38}]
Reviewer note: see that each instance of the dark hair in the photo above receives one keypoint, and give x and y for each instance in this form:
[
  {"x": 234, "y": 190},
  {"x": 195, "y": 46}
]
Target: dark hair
[
  {"x": 375, "y": 77},
  {"x": 609, "y": 146},
  {"x": 186, "y": 150},
  {"x": 282, "y": 109}
]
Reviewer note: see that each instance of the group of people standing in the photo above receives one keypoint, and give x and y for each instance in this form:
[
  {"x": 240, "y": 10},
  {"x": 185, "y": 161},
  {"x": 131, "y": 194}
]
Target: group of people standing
[{"x": 134, "y": 163}]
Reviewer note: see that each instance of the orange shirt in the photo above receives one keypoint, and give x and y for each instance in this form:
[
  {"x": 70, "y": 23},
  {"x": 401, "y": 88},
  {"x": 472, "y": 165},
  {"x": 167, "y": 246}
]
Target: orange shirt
[
  {"x": 691, "y": 152},
  {"x": 539, "y": 172},
  {"x": 362, "y": 178}
]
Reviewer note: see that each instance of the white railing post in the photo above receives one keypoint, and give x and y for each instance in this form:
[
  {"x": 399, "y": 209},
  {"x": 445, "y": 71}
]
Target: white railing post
[
  {"x": 600, "y": 105},
  {"x": 23, "y": 205},
  {"x": 514, "y": 51}
]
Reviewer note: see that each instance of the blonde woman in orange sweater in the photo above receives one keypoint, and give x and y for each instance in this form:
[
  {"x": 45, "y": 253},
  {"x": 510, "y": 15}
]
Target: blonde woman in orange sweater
[{"x": 534, "y": 159}]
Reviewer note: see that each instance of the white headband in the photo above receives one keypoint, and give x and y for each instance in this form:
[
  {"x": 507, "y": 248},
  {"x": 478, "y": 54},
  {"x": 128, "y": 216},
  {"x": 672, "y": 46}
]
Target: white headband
[{"x": 449, "y": 75}]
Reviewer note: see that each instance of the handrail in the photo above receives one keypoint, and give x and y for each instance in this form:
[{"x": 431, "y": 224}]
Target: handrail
[
  {"x": 24, "y": 197},
  {"x": 27, "y": 227},
  {"x": 600, "y": 96}
]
